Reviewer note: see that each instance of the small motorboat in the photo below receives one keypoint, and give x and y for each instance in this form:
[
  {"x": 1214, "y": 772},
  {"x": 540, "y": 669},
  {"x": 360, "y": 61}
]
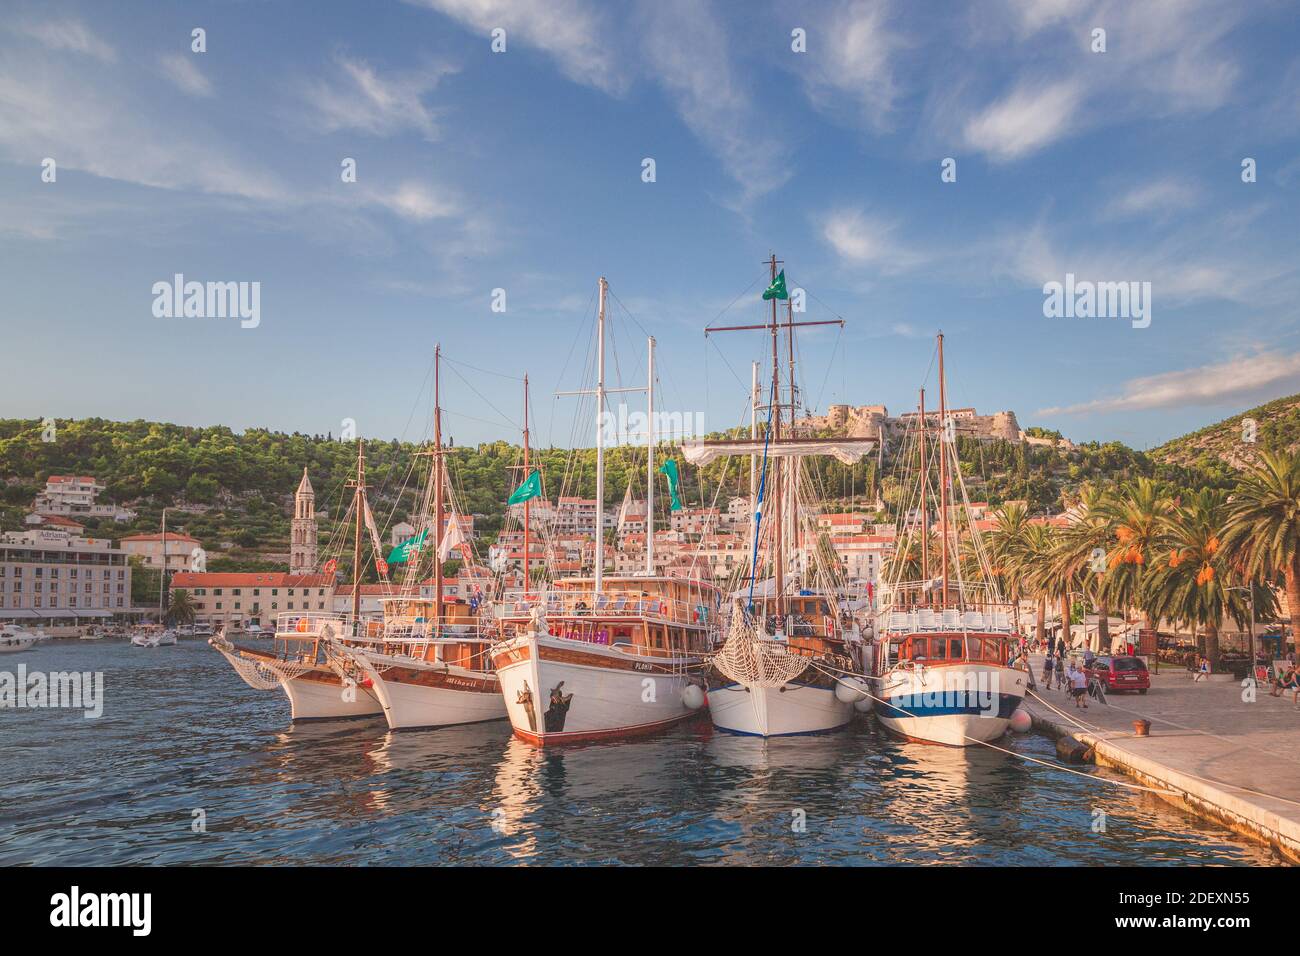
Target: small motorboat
[{"x": 14, "y": 638}]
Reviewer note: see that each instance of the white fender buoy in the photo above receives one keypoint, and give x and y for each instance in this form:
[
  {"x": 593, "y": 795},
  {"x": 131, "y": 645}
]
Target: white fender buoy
[
  {"x": 863, "y": 705},
  {"x": 1021, "y": 722},
  {"x": 693, "y": 696},
  {"x": 848, "y": 690}
]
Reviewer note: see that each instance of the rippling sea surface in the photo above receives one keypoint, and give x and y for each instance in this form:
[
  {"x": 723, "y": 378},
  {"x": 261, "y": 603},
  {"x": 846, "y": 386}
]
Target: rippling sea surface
[{"x": 181, "y": 732}]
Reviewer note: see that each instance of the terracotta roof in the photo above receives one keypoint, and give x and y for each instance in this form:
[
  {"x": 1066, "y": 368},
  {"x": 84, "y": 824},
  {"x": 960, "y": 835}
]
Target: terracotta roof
[
  {"x": 249, "y": 579},
  {"x": 171, "y": 536},
  {"x": 61, "y": 522},
  {"x": 59, "y": 479}
]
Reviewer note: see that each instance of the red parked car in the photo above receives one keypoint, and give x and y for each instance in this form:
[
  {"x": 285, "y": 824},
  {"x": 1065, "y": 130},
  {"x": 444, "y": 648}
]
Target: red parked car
[{"x": 1120, "y": 673}]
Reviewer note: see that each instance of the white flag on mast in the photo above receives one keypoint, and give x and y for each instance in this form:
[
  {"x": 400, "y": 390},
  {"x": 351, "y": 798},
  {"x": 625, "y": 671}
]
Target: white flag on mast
[{"x": 452, "y": 538}]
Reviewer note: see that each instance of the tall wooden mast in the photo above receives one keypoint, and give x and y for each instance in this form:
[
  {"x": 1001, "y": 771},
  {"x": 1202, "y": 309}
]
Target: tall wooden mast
[
  {"x": 925, "y": 505},
  {"x": 527, "y": 474},
  {"x": 600, "y": 439},
  {"x": 360, "y": 502},
  {"x": 943, "y": 472},
  {"x": 650, "y": 459},
  {"x": 778, "y": 469},
  {"x": 437, "y": 494}
]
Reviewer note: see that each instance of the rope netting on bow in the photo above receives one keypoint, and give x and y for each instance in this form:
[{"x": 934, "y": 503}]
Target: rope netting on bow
[
  {"x": 259, "y": 675},
  {"x": 750, "y": 659}
]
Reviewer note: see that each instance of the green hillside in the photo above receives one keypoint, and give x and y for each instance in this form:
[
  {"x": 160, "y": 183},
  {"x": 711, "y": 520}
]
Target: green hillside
[
  {"x": 233, "y": 491},
  {"x": 1220, "y": 450}
]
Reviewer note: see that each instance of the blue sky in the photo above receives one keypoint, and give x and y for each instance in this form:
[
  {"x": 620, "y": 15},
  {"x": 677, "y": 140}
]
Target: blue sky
[{"x": 521, "y": 170}]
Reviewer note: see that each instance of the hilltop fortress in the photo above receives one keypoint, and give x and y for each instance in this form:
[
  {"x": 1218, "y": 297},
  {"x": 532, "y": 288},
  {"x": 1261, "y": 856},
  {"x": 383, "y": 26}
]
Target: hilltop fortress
[{"x": 874, "y": 421}]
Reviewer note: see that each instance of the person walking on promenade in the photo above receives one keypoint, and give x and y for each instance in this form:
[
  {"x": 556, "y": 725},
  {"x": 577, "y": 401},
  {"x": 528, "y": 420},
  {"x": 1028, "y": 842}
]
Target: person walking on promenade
[{"x": 1078, "y": 686}]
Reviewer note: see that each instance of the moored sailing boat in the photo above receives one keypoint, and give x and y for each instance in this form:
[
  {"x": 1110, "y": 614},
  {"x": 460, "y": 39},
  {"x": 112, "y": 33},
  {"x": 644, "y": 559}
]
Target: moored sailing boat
[
  {"x": 605, "y": 657},
  {"x": 943, "y": 644},
  {"x": 785, "y": 668},
  {"x": 300, "y": 660},
  {"x": 428, "y": 664}
]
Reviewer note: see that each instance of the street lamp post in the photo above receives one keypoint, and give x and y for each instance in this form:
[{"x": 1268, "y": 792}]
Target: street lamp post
[{"x": 1250, "y": 640}]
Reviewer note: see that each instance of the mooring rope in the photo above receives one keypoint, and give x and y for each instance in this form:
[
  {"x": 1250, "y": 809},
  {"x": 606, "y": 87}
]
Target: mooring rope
[
  {"x": 984, "y": 743},
  {"x": 1101, "y": 732}
]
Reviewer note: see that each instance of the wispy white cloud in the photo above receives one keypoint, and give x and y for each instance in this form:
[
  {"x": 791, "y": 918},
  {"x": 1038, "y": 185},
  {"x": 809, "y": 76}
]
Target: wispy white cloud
[
  {"x": 360, "y": 98},
  {"x": 574, "y": 33},
  {"x": 1182, "y": 268},
  {"x": 863, "y": 240},
  {"x": 69, "y": 35},
  {"x": 181, "y": 70},
  {"x": 89, "y": 123},
  {"x": 1030, "y": 117},
  {"x": 850, "y": 57},
  {"x": 686, "y": 52},
  {"x": 1207, "y": 385},
  {"x": 1153, "y": 198},
  {"x": 415, "y": 201}
]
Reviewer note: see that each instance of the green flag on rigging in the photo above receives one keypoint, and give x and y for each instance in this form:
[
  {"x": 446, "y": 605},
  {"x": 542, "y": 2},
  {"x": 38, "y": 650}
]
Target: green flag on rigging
[
  {"x": 777, "y": 289},
  {"x": 531, "y": 488},
  {"x": 669, "y": 468},
  {"x": 407, "y": 549}
]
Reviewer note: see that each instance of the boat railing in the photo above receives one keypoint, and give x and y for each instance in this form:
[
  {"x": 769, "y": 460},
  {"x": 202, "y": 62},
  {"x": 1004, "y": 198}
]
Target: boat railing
[
  {"x": 308, "y": 626},
  {"x": 589, "y": 604},
  {"x": 424, "y": 632}
]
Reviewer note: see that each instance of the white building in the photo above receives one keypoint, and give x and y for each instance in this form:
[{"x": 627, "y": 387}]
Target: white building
[
  {"x": 51, "y": 576},
  {"x": 149, "y": 548},
  {"x": 75, "y": 495}
]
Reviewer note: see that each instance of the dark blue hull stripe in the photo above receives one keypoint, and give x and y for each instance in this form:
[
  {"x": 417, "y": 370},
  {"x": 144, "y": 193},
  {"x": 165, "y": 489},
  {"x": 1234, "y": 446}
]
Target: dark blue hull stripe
[{"x": 915, "y": 706}]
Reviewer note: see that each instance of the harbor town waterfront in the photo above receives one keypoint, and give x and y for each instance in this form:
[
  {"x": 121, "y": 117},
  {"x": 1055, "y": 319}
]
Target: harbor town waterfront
[{"x": 500, "y": 434}]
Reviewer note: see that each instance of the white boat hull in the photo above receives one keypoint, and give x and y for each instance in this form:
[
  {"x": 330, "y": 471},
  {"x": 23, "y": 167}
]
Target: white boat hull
[
  {"x": 322, "y": 696},
  {"x": 960, "y": 705},
  {"x": 414, "y": 695},
  {"x": 777, "y": 711},
  {"x": 12, "y": 645},
  {"x": 561, "y": 691}
]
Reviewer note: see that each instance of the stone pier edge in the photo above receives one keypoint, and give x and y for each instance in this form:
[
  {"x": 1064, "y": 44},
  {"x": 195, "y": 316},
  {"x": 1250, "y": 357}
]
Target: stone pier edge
[{"x": 1196, "y": 796}]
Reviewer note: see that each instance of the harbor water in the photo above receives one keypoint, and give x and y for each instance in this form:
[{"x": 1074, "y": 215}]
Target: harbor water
[{"x": 187, "y": 765}]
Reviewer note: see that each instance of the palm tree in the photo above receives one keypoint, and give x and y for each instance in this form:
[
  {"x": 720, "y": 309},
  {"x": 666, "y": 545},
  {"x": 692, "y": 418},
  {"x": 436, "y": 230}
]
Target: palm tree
[
  {"x": 1138, "y": 517},
  {"x": 1078, "y": 548},
  {"x": 1007, "y": 542},
  {"x": 1031, "y": 565},
  {"x": 1194, "y": 581},
  {"x": 182, "y": 608},
  {"x": 1263, "y": 528}
]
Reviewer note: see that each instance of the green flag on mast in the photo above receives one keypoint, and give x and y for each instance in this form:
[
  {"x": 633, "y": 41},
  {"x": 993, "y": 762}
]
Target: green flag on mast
[
  {"x": 531, "y": 488},
  {"x": 777, "y": 289},
  {"x": 407, "y": 549},
  {"x": 669, "y": 468}
]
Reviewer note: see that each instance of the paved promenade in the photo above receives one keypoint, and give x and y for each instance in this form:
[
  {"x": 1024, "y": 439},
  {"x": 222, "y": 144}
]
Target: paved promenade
[{"x": 1225, "y": 756}]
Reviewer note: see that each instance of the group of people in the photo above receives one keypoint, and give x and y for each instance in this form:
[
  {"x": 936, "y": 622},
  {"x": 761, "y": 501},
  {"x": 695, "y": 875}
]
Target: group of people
[
  {"x": 1067, "y": 671},
  {"x": 1289, "y": 680}
]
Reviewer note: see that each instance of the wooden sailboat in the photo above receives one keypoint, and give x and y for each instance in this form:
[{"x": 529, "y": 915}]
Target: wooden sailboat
[
  {"x": 604, "y": 657},
  {"x": 942, "y": 645},
  {"x": 303, "y": 659},
  {"x": 428, "y": 664},
  {"x": 786, "y": 667}
]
